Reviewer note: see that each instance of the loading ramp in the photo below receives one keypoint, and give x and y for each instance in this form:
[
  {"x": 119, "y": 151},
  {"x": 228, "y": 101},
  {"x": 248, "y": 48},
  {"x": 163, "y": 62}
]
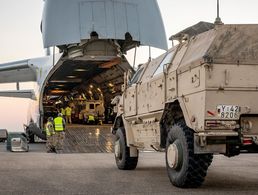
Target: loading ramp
[{"x": 88, "y": 139}]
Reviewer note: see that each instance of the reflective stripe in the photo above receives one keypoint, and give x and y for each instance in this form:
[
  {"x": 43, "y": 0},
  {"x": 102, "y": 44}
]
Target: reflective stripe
[{"x": 58, "y": 121}]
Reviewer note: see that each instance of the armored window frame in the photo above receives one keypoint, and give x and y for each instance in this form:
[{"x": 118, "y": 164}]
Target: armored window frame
[
  {"x": 166, "y": 60},
  {"x": 137, "y": 76}
]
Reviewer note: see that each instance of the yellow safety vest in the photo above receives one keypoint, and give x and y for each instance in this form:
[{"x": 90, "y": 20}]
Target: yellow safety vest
[
  {"x": 91, "y": 118},
  {"x": 68, "y": 111},
  {"x": 63, "y": 111},
  {"x": 49, "y": 129},
  {"x": 58, "y": 121}
]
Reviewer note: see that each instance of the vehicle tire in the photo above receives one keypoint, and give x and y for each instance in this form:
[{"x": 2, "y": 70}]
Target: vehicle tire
[
  {"x": 122, "y": 152},
  {"x": 185, "y": 169}
]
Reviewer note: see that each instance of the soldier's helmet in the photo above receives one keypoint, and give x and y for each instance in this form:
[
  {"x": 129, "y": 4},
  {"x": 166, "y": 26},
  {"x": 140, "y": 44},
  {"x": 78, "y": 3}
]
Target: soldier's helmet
[{"x": 50, "y": 119}]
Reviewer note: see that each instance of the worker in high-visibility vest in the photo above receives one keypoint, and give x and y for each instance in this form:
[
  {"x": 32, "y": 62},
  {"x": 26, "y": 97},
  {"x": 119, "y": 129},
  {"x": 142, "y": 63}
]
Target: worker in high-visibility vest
[
  {"x": 91, "y": 119},
  {"x": 59, "y": 124},
  {"x": 63, "y": 112},
  {"x": 68, "y": 114},
  {"x": 50, "y": 132}
]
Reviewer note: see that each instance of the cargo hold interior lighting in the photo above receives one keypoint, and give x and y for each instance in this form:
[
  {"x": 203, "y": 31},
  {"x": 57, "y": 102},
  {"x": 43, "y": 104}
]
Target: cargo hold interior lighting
[
  {"x": 80, "y": 70},
  {"x": 67, "y": 81},
  {"x": 71, "y": 76}
]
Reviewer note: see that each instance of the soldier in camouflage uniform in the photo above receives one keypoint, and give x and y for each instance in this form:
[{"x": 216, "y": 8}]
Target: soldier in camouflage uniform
[
  {"x": 59, "y": 124},
  {"x": 50, "y": 132}
]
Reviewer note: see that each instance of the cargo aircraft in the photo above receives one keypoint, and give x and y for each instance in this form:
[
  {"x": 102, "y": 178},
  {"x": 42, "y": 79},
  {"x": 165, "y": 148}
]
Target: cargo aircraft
[{"x": 92, "y": 37}]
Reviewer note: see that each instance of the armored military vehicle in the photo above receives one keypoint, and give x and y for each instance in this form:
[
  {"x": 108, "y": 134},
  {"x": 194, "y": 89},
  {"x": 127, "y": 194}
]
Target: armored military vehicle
[{"x": 198, "y": 99}]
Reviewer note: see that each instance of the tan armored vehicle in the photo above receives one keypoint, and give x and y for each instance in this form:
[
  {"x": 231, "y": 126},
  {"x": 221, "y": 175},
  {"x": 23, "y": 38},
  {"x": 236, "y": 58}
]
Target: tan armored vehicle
[{"x": 198, "y": 99}]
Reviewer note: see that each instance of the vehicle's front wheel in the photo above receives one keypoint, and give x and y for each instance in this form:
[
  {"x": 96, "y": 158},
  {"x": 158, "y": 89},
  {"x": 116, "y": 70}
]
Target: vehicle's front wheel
[
  {"x": 185, "y": 169},
  {"x": 122, "y": 152}
]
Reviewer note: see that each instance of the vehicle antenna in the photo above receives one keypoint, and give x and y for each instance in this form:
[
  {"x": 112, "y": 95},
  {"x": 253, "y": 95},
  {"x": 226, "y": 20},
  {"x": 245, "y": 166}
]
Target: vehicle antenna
[{"x": 218, "y": 19}]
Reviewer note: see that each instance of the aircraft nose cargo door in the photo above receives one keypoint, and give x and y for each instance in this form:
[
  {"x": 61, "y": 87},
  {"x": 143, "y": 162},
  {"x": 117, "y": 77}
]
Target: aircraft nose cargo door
[{"x": 111, "y": 20}]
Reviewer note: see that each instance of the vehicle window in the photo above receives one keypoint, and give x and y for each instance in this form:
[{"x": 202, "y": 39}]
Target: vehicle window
[
  {"x": 136, "y": 76},
  {"x": 166, "y": 60},
  {"x": 92, "y": 106}
]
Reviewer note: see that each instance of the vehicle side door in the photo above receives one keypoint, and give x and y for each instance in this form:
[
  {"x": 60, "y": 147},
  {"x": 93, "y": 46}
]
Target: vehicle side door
[
  {"x": 130, "y": 95},
  {"x": 157, "y": 84}
]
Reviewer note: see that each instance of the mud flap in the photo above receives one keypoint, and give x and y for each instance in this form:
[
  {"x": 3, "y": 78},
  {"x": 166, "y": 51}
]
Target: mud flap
[{"x": 133, "y": 152}]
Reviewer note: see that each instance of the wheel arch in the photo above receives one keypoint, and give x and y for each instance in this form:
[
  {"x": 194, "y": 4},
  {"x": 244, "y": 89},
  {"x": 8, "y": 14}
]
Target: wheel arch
[
  {"x": 120, "y": 121},
  {"x": 173, "y": 112},
  {"x": 117, "y": 124}
]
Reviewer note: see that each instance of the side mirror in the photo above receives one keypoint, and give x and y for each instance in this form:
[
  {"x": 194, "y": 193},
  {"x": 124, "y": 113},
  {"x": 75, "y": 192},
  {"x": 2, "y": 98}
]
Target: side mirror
[
  {"x": 123, "y": 87},
  {"x": 128, "y": 76},
  {"x": 115, "y": 109}
]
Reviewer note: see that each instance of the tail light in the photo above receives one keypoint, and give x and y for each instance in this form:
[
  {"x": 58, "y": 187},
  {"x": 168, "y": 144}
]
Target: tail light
[{"x": 247, "y": 141}]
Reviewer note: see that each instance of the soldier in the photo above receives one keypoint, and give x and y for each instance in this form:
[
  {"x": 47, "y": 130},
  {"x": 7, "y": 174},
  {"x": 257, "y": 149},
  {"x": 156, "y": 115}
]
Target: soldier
[
  {"x": 100, "y": 110},
  {"x": 50, "y": 132},
  {"x": 63, "y": 112},
  {"x": 91, "y": 119},
  {"x": 68, "y": 113},
  {"x": 59, "y": 123}
]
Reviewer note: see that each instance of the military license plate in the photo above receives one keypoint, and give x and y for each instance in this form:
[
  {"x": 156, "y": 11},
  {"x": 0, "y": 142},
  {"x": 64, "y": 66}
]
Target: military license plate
[{"x": 228, "y": 111}]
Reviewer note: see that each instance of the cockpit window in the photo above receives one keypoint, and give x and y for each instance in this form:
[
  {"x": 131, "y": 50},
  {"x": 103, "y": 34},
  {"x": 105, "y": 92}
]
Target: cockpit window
[{"x": 166, "y": 60}]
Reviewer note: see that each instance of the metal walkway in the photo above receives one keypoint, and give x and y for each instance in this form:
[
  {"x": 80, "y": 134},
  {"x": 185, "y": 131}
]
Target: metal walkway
[{"x": 88, "y": 139}]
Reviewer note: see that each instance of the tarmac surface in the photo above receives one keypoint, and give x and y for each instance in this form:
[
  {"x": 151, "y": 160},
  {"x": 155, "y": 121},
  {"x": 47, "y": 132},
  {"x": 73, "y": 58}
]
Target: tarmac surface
[{"x": 38, "y": 172}]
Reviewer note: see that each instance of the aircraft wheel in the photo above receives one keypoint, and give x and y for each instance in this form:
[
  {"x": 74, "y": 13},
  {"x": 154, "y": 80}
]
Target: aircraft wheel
[
  {"x": 185, "y": 169},
  {"x": 122, "y": 152}
]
